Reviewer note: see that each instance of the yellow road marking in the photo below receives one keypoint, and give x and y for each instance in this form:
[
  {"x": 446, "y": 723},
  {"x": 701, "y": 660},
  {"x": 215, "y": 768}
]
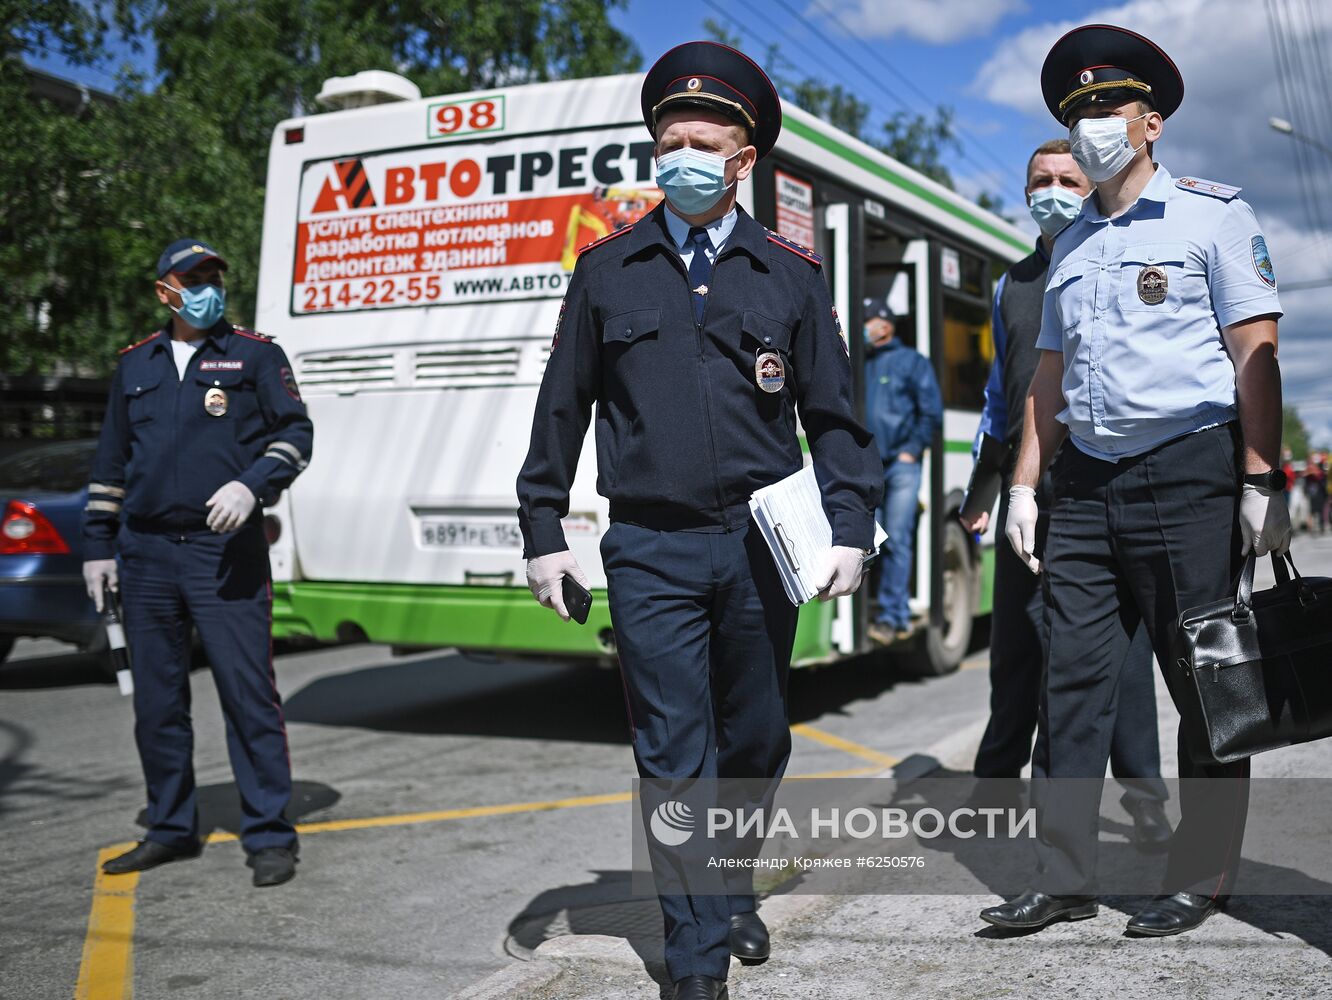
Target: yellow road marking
[
  {"x": 106, "y": 972},
  {"x": 107, "y": 969},
  {"x": 846, "y": 746}
]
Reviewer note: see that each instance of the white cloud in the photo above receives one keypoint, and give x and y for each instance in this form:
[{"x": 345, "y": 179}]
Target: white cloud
[
  {"x": 938, "y": 22},
  {"x": 1220, "y": 132}
]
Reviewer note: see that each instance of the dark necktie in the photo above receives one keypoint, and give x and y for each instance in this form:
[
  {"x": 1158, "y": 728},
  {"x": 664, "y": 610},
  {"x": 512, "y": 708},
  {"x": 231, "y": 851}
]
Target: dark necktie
[{"x": 700, "y": 269}]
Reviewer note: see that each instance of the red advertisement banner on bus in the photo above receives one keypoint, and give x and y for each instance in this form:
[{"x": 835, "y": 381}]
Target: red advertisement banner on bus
[{"x": 469, "y": 222}]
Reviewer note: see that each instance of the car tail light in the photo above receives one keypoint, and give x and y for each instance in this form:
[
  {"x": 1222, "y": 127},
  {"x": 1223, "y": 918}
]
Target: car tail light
[
  {"x": 26, "y": 531},
  {"x": 272, "y": 528}
]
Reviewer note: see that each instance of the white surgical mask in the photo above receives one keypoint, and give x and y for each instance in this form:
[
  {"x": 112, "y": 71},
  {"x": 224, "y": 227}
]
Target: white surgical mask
[
  {"x": 1054, "y": 207},
  {"x": 1101, "y": 146}
]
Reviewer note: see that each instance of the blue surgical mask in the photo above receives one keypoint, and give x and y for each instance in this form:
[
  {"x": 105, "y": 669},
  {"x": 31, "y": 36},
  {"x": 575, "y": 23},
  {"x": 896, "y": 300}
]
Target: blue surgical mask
[
  {"x": 200, "y": 305},
  {"x": 1054, "y": 207},
  {"x": 693, "y": 180}
]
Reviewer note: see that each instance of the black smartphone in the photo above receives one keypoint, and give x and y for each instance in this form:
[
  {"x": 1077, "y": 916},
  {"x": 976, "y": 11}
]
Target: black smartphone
[{"x": 577, "y": 600}]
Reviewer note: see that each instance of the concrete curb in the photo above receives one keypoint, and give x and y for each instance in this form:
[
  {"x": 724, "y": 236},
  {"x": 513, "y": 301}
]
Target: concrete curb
[{"x": 579, "y": 963}]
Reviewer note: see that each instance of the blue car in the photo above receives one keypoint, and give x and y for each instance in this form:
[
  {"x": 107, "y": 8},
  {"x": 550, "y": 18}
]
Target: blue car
[{"x": 42, "y": 494}]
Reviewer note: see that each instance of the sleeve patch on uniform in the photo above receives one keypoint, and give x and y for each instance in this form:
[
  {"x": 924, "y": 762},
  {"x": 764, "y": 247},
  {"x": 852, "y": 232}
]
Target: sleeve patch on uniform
[
  {"x": 289, "y": 383},
  {"x": 1262, "y": 261},
  {"x": 559, "y": 321},
  {"x": 837, "y": 324}
]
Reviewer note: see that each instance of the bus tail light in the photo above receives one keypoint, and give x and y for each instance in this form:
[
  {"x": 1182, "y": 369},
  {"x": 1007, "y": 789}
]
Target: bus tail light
[{"x": 26, "y": 531}]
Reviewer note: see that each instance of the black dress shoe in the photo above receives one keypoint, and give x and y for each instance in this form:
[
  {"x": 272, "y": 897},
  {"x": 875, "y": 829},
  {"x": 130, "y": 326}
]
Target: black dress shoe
[
  {"x": 1151, "y": 826},
  {"x": 1166, "y": 915},
  {"x": 149, "y": 854},
  {"x": 748, "y": 937},
  {"x": 701, "y": 988},
  {"x": 1036, "y": 909},
  {"x": 272, "y": 866}
]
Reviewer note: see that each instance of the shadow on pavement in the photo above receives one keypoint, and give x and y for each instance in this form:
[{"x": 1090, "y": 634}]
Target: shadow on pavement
[
  {"x": 220, "y": 807},
  {"x": 58, "y": 670},
  {"x": 606, "y": 907},
  {"x": 1303, "y": 913},
  {"x": 462, "y": 695},
  {"x": 459, "y": 695}
]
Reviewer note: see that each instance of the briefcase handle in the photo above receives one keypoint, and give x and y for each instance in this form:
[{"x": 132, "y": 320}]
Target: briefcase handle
[{"x": 1244, "y": 594}]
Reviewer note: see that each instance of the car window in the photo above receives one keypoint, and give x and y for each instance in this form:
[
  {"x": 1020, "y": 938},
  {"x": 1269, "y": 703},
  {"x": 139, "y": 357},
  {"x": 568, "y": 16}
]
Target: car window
[{"x": 58, "y": 468}]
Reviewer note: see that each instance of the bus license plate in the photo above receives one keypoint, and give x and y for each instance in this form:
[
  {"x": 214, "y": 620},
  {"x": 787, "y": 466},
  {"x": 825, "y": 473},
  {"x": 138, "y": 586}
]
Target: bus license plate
[{"x": 471, "y": 535}]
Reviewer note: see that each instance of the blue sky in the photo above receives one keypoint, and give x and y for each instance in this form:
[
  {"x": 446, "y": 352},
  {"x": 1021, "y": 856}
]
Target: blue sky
[{"x": 982, "y": 58}]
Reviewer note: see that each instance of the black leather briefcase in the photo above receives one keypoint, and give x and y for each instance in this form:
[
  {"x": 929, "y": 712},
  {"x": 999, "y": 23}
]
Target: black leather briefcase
[{"x": 1255, "y": 673}]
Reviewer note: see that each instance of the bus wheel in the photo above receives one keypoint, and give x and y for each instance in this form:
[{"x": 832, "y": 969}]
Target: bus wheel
[{"x": 943, "y": 646}]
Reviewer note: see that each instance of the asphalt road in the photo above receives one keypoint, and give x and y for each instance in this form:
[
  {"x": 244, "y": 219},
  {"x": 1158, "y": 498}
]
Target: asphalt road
[{"x": 456, "y": 811}]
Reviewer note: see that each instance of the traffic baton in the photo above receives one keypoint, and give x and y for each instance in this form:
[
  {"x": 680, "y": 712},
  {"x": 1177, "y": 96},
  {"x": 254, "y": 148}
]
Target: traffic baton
[{"x": 115, "y": 639}]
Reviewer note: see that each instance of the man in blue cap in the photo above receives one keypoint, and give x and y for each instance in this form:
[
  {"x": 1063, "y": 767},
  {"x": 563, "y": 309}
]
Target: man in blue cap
[
  {"x": 904, "y": 410},
  {"x": 1158, "y": 363},
  {"x": 204, "y": 428},
  {"x": 699, "y": 335}
]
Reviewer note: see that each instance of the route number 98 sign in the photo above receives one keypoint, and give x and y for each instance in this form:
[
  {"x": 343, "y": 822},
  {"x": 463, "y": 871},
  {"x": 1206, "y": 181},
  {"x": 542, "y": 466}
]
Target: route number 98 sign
[{"x": 480, "y": 114}]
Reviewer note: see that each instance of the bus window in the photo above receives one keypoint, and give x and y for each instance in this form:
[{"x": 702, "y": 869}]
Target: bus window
[{"x": 968, "y": 349}]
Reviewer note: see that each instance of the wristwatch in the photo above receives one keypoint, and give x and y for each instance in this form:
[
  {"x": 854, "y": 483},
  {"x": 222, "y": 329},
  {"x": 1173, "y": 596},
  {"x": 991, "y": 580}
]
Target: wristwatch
[{"x": 1273, "y": 479}]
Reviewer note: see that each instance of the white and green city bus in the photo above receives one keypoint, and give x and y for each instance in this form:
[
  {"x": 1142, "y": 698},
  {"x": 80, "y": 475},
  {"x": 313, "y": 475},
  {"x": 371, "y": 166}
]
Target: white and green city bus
[{"x": 415, "y": 252}]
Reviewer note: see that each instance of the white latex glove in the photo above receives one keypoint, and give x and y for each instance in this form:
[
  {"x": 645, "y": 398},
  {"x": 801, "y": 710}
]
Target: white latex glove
[
  {"x": 1264, "y": 521},
  {"x": 97, "y": 571},
  {"x": 841, "y": 572},
  {"x": 1020, "y": 527},
  {"x": 545, "y": 578},
  {"x": 231, "y": 507}
]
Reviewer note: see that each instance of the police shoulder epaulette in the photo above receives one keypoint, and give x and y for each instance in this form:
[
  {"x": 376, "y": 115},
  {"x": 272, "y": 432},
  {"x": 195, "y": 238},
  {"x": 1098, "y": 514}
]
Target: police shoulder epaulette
[
  {"x": 1199, "y": 186},
  {"x": 605, "y": 239},
  {"x": 151, "y": 336},
  {"x": 263, "y": 338},
  {"x": 794, "y": 247}
]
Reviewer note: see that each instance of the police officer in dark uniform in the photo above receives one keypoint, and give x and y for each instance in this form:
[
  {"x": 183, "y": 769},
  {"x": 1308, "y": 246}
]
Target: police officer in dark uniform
[
  {"x": 698, "y": 334},
  {"x": 204, "y": 428},
  {"x": 1158, "y": 364}
]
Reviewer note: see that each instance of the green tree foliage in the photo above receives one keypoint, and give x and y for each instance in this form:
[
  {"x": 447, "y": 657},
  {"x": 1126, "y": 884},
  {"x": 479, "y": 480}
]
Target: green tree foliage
[
  {"x": 917, "y": 140},
  {"x": 89, "y": 199},
  {"x": 1294, "y": 435}
]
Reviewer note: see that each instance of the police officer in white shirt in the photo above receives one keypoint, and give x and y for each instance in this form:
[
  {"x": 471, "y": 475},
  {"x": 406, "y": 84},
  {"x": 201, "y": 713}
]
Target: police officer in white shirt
[{"x": 1159, "y": 366}]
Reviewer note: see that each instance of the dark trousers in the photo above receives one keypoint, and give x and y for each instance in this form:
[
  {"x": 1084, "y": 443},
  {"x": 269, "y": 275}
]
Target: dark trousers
[
  {"x": 221, "y": 584},
  {"x": 1135, "y": 541},
  {"x": 1019, "y": 639},
  {"x": 704, "y": 632}
]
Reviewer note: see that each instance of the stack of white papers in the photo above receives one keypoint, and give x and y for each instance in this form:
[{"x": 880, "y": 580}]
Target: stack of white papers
[{"x": 791, "y": 517}]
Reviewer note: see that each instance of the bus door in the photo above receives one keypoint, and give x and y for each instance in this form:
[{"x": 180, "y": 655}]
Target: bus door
[{"x": 866, "y": 259}]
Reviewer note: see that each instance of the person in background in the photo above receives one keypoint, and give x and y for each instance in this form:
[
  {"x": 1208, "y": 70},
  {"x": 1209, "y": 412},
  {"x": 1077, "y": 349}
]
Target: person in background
[
  {"x": 904, "y": 409},
  {"x": 1019, "y": 635},
  {"x": 204, "y": 428},
  {"x": 1315, "y": 488}
]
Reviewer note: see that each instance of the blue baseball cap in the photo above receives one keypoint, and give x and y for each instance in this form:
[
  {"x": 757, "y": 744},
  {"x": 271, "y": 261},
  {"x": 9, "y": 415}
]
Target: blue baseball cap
[
  {"x": 184, "y": 254},
  {"x": 878, "y": 306}
]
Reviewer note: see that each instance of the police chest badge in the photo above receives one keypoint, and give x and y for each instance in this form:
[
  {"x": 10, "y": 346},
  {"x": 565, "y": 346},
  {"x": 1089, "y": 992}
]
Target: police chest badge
[
  {"x": 215, "y": 402},
  {"x": 1153, "y": 285},
  {"x": 769, "y": 371}
]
